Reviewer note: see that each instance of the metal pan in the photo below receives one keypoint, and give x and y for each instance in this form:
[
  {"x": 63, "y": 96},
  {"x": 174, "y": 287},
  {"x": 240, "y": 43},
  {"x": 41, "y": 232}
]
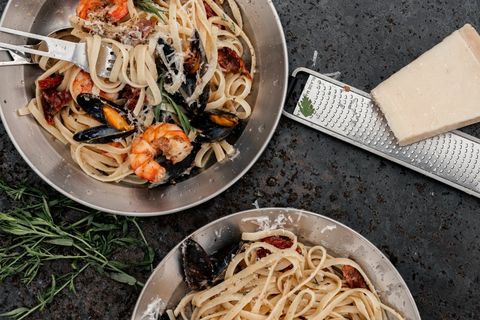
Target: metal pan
[
  {"x": 165, "y": 287},
  {"x": 51, "y": 160}
]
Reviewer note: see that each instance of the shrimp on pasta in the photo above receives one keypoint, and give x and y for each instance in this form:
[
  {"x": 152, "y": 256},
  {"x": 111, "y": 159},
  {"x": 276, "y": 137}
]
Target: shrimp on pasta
[{"x": 177, "y": 62}]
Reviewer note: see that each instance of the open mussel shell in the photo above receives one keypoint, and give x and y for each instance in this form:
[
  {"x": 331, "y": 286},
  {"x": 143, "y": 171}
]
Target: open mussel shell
[
  {"x": 177, "y": 170},
  {"x": 118, "y": 121},
  {"x": 195, "y": 66},
  {"x": 203, "y": 271},
  {"x": 101, "y": 134},
  {"x": 215, "y": 125},
  {"x": 197, "y": 265}
]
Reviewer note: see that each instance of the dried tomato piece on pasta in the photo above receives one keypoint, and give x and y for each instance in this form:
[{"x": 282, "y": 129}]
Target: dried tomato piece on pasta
[
  {"x": 131, "y": 94},
  {"x": 353, "y": 277},
  {"x": 209, "y": 10},
  {"x": 53, "y": 101},
  {"x": 278, "y": 242},
  {"x": 231, "y": 62},
  {"x": 50, "y": 83}
]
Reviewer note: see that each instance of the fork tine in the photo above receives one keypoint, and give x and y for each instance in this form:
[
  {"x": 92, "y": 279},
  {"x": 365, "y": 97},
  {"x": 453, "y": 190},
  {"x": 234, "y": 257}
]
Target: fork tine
[{"x": 106, "y": 60}]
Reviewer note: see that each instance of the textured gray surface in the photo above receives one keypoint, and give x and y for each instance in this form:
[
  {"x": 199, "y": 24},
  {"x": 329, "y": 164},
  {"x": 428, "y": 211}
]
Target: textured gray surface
[{"x": 427, "y": 229}]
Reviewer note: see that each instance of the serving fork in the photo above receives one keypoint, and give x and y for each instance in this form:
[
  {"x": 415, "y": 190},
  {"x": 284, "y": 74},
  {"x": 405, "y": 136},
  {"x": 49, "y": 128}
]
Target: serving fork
[{"x": 73, "y": 52}]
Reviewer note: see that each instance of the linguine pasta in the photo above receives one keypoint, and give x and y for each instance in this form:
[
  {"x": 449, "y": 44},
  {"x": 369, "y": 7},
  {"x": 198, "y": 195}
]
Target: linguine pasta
[
  {"x": 134, "y": 39},
  {"x": 296, "y": 282}
]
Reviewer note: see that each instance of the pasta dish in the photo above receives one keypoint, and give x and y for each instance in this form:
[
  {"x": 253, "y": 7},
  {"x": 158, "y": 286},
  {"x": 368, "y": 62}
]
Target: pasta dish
[
  {"x": 274, "y": 276},
  {"x": 174, "y": 94}
]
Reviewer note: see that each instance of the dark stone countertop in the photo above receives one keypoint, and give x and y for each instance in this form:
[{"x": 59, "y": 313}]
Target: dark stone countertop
[{"x": 427, "y": 229}]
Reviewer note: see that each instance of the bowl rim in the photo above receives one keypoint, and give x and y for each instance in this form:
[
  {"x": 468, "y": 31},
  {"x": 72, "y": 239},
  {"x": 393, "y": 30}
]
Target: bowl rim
[
  {"x": 261, "y": 212},
  {"x": 149, "y": 213}
]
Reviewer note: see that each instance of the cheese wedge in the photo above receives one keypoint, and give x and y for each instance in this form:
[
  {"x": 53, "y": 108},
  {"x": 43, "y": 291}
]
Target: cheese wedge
[{"x": 436, "y": 93}]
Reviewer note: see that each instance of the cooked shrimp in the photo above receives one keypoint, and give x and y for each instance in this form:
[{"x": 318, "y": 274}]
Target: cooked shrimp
[
  {"x": 167, "y": 138},
  {"x": 83, "y": 83},
  {"x": 102, "y": 10}
]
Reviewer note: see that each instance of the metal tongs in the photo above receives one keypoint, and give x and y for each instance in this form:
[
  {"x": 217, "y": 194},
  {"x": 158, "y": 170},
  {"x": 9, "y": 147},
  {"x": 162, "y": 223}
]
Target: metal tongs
[{"x": 75, "y": 53}]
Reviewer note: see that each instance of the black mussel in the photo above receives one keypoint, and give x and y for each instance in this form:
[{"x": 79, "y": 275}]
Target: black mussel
[
  {"x": 223, "y": 257},
  {"x": 215, "y": 125},
  {"x": 100, "y": 134},
  {"x": 202, "y": 270},
  {"x": 197, "y": 265},
  {"x": 175, "y": 171},
  {"x": 118, "y": 121},
  {"x": 195, "y": 66}
]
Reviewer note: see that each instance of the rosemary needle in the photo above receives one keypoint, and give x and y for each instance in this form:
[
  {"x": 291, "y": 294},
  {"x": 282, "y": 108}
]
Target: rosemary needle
[{"x": 39, "y": 235}]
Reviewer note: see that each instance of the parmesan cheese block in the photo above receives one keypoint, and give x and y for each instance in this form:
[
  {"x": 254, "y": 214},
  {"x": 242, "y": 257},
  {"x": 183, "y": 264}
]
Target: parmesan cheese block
[{"x": 436, "y": 93}]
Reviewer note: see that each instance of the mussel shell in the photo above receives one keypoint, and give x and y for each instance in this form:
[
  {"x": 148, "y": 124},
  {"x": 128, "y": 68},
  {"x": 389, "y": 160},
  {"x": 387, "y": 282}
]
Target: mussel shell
[
  {"x": 175, "y": 171},
  {"x": 213, "y": 131},
  {"x": 92, "y": 105},
  {"x": 213, "y": 135},
  {"x": 101, "y": 134},
  {"x": 201, "y": 270},
  {"x": 188, "y": 86},
  {"x": 197, "y": 265},
  {"x": 222, "y": 258}
]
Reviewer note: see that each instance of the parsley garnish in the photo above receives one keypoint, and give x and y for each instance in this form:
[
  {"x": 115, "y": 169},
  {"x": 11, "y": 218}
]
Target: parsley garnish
[{"x": 306, "y": 106}]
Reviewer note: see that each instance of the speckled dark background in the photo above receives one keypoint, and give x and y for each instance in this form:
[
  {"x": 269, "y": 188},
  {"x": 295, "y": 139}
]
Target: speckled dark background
[{"x": 427, "y": 229}]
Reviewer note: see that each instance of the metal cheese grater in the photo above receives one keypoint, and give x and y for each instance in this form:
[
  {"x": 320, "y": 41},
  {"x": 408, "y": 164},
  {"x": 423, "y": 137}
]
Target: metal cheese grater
[{"x": 350, "y": 115}]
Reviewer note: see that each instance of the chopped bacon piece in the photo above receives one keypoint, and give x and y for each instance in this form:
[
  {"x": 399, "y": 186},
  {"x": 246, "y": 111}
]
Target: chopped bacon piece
[
  {"x": 131, "y": 94},
  {"x": 209, "y": 10},
  {"x": 53, "y": 101},
  {"x": 50, "y": 83},
  {"x": 231, "y": 62},
  {"x": 353, "y": 277}
]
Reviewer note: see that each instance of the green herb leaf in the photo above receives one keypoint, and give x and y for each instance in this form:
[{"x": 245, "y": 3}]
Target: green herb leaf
[
  {"x": 151, "y": 7},
  {"x": 15, "y": 313},
  {"x": 92, "y": 240},
  {"x": 306, "y": 107},
  {"x": 184, "y": 121}
]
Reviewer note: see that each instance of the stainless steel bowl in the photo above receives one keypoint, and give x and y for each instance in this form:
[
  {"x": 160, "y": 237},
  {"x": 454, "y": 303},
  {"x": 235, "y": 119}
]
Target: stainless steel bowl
[
  {"x": 166, "y": 287},
  {"x": 51, "y": 160}
]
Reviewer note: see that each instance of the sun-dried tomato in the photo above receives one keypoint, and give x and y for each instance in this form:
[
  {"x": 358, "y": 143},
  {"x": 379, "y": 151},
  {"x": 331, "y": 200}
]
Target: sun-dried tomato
[
  {"x": 131, "y": 94},
  {"x": 262, "y": 252},
  {"x": 53, "y": 101},
  {"x": 231, "y": 62},
  {"x": 50, "y": 83},
  {"x": 209, "y": 10},
  {"x": 353, "y": 277},
  {"x": 278, "y": 242}
]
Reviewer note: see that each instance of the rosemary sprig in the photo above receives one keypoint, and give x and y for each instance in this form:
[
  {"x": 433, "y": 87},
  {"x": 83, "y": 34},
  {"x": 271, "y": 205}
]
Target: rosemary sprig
[
  {"x": 184, "y": 121},
  {"x": 151, "y": 7},
  {"x": 39, "y": 235}
]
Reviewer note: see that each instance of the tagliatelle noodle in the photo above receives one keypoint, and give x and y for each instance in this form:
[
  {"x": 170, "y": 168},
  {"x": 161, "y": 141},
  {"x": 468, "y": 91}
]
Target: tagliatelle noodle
[
  {"x": 136, "y": 65},
  {"x": 300, "y": 282}
]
